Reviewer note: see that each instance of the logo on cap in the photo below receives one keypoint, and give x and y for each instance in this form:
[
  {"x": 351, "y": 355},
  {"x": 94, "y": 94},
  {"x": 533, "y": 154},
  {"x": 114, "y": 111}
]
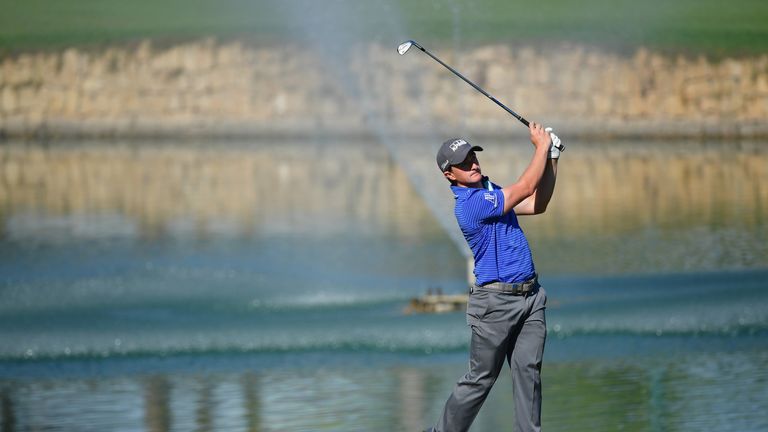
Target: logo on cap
[
  {"x": 444, "y": 165},
  {"x": 458, "y": 143}
]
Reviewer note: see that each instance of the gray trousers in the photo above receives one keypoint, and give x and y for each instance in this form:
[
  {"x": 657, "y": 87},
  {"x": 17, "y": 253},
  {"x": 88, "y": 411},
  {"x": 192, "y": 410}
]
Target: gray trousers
[{"x": 503, "y": 326}]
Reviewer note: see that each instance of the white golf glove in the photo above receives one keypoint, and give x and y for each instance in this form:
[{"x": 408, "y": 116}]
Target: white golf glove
[{"x": 556, "y": 147}]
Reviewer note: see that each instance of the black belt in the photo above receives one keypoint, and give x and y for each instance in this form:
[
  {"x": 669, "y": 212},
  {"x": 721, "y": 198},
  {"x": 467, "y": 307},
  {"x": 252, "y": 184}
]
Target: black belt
[{"x": 517, "y": 288}]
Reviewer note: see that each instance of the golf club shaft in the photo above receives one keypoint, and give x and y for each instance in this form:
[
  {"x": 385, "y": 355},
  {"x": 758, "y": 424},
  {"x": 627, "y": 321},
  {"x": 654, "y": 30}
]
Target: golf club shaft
[{"x": 514, "y": 114}]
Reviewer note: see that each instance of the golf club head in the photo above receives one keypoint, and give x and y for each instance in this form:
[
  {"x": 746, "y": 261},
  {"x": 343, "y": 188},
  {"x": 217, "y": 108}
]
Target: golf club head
[{"x": 404, "y": 47}]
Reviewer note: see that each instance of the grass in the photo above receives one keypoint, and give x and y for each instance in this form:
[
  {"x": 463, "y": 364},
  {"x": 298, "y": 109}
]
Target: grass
[{"x": 694, "y": 26}]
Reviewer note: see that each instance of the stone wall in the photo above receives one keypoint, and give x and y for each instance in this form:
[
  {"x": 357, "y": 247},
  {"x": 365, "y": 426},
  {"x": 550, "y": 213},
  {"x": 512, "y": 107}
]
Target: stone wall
[{"x": 210, "y": 87}]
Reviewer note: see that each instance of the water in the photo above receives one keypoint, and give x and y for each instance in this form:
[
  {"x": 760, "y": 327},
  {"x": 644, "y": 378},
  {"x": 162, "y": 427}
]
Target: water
[{"x": 262, "y": 287}]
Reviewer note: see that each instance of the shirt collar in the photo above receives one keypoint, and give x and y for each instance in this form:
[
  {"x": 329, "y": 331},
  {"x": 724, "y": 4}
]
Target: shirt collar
[{"x": 459, "y": 191}]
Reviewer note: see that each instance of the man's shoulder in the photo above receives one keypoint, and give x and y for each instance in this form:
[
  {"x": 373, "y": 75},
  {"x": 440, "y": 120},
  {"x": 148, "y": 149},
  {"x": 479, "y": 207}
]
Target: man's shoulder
[
  {"x": 464, "y": 192},
  {"x": 472, "y": 194},
  {"x": 477, "y": 206},
  {"x": 464, "y": 196}
]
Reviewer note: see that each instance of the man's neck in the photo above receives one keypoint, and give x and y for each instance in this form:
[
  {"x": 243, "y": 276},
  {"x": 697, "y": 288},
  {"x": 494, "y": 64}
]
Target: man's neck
[{"x": 478, "y": 185}]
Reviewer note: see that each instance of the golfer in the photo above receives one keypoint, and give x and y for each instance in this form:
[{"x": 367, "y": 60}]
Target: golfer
[{"x": 506, "y": 305}]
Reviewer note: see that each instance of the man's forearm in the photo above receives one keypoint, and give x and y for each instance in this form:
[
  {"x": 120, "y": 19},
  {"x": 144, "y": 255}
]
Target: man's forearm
[
  {"x": 546, "y": 187},
  {"x": 525, "y": 186},
  {"x": 534, "y": 173}
]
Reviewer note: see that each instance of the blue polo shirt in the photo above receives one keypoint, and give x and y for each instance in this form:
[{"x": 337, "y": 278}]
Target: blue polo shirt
[{"x": 500, "y": 248}]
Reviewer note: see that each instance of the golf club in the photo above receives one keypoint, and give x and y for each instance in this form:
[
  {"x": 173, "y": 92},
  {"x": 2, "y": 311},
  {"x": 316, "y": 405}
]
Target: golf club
[{"x": 405, "y": 46}]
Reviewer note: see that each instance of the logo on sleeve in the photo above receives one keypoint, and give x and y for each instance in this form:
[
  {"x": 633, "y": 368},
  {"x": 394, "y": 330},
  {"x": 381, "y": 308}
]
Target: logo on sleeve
[{"x": 491, "y": 198}]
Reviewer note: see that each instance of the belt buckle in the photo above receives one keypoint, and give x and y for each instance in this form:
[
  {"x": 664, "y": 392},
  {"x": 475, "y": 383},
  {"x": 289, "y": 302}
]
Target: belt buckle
[{"x": 530, "y": 285}]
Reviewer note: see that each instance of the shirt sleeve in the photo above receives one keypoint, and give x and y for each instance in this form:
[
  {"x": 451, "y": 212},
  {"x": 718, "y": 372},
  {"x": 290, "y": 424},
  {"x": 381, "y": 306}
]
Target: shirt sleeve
[{"x": 482, "y": 205}]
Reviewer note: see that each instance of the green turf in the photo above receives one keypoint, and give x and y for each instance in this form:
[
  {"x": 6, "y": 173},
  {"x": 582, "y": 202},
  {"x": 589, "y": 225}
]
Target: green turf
[{"x": 705, "y": 26}]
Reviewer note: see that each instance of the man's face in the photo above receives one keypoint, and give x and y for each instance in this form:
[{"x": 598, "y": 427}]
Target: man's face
[{"x": 467, "y": 173}]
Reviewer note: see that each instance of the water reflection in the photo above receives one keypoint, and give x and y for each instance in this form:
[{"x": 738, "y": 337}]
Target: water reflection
[
  {"x": 619, "y": 207},
  {"x": 345, "y": 215},
  {"x": 202, "y": 403},
  {"x": 620, "y": 187},
  {"x": 269, "y": 188},
  {"x": 411, "y": 383},
  {"x": 206, "y": 190},
  {"x": 696, "y": 391},
  {"x": 203, "y": 407},
  {"x": 251, "y": 400},
  {"x": 157, "y": 396},
  {"x": 7, "y": 416}
]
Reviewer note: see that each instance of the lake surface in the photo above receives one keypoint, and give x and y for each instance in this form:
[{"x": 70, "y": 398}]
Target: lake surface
[{"x": 261, "y": 286}]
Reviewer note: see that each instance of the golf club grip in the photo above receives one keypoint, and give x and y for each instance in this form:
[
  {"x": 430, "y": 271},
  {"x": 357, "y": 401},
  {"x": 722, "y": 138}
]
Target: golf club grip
[{"x": 514, "y": 114}]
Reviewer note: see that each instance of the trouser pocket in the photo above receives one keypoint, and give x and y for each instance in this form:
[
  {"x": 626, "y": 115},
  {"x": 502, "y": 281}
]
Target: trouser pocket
[{"x": 477, "y": 306}]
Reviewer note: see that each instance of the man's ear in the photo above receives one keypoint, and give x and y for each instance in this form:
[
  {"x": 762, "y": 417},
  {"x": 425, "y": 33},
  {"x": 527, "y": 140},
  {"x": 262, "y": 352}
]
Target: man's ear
[{"x": 449, "y": 175}]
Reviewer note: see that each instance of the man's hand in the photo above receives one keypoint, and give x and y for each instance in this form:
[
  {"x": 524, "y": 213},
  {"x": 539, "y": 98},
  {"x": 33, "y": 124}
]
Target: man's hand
[
  {"x": 526, "y": 185},
  {"x": 557, "y": 145},
  {"x": 539, "y": 137}
]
